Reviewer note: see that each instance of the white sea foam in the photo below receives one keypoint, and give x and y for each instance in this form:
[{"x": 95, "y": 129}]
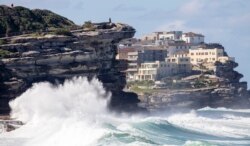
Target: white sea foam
[
  {"x": 61, "y": 115},
  {"x": 227, "y": 127},
  {"x": 76, "y": 114}
]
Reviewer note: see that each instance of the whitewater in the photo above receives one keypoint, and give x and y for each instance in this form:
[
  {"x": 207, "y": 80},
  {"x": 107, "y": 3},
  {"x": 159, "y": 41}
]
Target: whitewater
[{"x": 76, "y": 114}]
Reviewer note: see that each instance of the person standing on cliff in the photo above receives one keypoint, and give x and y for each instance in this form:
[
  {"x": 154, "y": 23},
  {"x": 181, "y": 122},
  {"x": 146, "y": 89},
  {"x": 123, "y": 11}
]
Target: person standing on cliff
[
  {"x": 12, "y": 5},
  {"x": 110, "y": 20}
]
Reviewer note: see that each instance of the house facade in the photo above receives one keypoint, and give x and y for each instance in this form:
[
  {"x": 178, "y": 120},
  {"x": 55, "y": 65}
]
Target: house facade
[
  {"x": 205, "y": 55},
  {"x": 193, "y": 38},
  {"x": 172, "y": 35}
]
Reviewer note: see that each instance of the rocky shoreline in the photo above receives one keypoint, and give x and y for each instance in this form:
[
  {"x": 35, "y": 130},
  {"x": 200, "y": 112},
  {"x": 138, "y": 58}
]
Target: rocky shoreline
[
  {"x": 54, "y": 58},
  {"x": 227, "y": 92},
  {"x": 90, "y": 51}
]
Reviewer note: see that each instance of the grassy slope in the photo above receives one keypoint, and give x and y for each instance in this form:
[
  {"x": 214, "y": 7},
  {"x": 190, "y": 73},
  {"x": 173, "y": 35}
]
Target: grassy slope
[{"x": 19, "y": 19}]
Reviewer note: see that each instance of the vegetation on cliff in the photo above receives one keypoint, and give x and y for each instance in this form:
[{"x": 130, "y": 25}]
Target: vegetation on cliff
[{"x": 20, "y": 19}]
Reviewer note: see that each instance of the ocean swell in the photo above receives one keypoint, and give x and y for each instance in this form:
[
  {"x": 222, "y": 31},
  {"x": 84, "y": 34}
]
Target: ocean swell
[{"x": 76, "y": 114}]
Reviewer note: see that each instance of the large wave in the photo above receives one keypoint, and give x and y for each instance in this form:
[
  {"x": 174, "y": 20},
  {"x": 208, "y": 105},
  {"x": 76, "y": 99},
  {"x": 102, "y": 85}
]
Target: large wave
[{"x": 76, "y": 114}]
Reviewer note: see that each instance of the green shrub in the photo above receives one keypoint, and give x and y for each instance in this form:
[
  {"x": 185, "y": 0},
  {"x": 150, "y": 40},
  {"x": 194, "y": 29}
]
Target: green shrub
[
  {"x": 63, "y": 32},
  {"x": 89, "y": 25},
  {"x": 20, "y": 19}
]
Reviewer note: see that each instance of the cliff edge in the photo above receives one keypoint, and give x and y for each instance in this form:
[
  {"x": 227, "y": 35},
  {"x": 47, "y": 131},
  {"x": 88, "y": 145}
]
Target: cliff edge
[
  {"x": 220, "y": 87},
  {"x": 89, "y": 51}
]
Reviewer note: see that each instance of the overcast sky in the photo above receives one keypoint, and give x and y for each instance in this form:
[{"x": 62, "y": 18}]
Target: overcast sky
[{"x": 221, "y": 21}]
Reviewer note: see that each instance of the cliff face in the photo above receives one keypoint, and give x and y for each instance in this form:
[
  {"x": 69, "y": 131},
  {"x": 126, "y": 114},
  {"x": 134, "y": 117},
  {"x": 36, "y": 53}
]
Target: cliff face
[
  {"x": 55, "y": 58},
  {"x": 226, "y": 91}
]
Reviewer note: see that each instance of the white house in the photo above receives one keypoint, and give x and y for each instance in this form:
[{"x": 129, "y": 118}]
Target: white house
[
  {"x": 153, "y": 71},
  {"x": 151, "y": 37},
  {"x": 176, "y": 47},
  {"x": 193, "y": 38},
  {"x": 172, "y": 35},
  {"x": 201, "y": 55}
]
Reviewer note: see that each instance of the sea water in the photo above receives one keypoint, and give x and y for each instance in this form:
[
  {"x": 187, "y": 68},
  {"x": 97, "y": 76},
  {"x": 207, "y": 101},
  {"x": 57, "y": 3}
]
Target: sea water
[{"x": 76, "y": 114}]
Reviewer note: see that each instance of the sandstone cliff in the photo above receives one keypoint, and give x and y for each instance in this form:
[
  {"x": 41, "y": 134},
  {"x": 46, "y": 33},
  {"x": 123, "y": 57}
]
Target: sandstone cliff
[
  {"x": 54, "y": 58},
  {"x": 221, "y": 88}
]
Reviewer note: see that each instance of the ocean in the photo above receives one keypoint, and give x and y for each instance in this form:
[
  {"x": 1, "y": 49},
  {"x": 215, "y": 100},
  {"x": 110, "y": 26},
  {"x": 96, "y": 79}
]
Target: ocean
[{"x": 76, "y": 114}]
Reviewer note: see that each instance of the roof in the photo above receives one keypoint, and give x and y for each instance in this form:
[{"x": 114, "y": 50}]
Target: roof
[
  {"x": 153, "y": 48},
  {"x": 126, "y": 50},
  {"x": 191, "y": 34},
  {"x": 182, "y": 52},
  {"x": 174, "y": 32},
  {"x": 181, "y": 44}
]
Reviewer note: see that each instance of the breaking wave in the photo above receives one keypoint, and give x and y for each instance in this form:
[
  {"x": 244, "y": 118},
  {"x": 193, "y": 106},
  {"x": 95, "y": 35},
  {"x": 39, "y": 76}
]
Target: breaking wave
[{"x": 76, "y": 114}]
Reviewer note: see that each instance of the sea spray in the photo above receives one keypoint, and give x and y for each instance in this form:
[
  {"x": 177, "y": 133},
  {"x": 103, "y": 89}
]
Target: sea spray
[
  {"x": 76, "y": 97},
  {"x": 76, "y": 114},
  {"x": 61, "y": 115}
]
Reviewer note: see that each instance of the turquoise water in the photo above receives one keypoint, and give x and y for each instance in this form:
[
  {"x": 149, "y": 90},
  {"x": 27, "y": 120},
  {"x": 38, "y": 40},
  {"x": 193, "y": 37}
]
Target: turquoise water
[
  {"x": 205, "y": 127},
  {"x": 76, "y": 114}
]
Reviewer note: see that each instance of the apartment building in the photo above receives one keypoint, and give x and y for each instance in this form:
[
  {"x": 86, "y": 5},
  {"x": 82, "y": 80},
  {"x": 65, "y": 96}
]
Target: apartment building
[
  {"x": 122, "y": 53},
  {"x": 205, "y": 55},
  {"x": 132, "y": 65},
  {"x": 151, "y": 54},
  {"x": 152, "y": 71},
  {"x": 180, "y": 62},
  {"x": 179, "y": 46}
]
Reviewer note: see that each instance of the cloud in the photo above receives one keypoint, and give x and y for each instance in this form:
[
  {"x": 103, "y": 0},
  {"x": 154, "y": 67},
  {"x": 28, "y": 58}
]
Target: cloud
[{"x": 191, "y": 8}]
